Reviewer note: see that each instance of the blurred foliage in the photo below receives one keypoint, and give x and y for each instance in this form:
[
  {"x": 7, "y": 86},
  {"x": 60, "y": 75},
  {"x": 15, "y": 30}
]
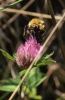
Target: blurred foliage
[{"x": 32, "y": 80}]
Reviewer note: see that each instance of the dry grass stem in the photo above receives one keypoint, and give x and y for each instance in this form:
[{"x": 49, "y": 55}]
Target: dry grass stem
[
  {"x": 30, "y": 13},
  {"x": 39, "y": 55},
  {"x": 17, "y": 14}
]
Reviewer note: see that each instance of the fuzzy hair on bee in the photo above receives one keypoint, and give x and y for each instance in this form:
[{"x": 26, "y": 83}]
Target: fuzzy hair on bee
[{"x": 36, "y": 28}]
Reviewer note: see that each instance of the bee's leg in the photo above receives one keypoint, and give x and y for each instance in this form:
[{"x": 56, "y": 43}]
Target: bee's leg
[
  {"x": 43, "y": 33},
  {"x": 26, "y": 31}
]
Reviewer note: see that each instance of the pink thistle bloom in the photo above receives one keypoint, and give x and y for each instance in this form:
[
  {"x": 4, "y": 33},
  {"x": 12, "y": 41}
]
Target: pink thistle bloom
[{"x": 27, "y": 52}]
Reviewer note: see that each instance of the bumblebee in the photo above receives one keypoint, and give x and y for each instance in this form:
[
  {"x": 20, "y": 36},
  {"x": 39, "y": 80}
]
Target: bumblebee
[{"x": 36, "y": 28}]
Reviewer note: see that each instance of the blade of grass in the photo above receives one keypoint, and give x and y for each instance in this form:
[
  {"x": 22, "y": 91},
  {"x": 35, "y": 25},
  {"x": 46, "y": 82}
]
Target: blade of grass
[
  {"x": 4, "y": 95},
  {"x": 10, "y": 4}
]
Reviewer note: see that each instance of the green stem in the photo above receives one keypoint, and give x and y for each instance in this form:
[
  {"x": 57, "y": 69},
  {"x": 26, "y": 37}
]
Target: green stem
[{"x": 10, "y": 4}]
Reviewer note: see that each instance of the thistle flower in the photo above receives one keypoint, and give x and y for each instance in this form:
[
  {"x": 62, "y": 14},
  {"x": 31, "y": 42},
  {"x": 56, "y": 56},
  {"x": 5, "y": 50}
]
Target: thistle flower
[{"x": 27, "y": 52}]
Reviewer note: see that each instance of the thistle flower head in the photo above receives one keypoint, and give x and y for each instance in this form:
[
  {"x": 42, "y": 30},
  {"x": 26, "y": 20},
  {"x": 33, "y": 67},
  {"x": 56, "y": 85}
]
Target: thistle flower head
[{"x": 27, "y": 52}]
